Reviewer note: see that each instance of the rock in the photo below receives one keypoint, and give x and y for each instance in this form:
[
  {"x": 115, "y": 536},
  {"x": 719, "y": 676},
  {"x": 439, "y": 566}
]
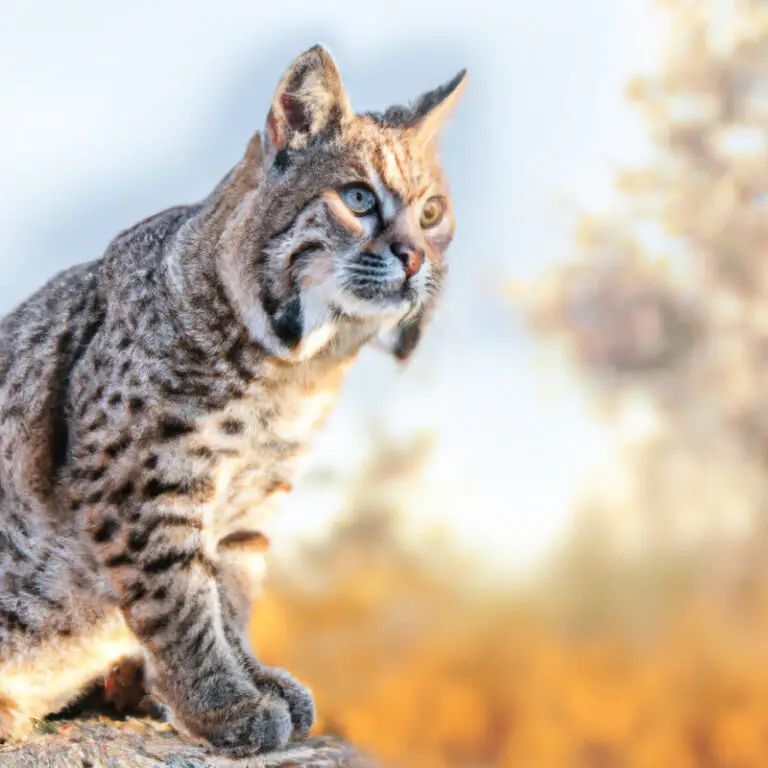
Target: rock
[{"x": 101, "y": 742}]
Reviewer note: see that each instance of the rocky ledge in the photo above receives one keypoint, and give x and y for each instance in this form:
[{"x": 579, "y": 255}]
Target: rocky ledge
[{"x": 101, "y": 742}]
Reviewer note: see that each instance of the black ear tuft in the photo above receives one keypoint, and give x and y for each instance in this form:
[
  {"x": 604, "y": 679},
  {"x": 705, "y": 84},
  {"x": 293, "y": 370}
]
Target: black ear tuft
[{"x": 432, "y": 108}]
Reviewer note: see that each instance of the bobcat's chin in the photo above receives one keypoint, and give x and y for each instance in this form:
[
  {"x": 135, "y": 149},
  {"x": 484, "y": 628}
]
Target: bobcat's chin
[{"x": 389, "y": 304}]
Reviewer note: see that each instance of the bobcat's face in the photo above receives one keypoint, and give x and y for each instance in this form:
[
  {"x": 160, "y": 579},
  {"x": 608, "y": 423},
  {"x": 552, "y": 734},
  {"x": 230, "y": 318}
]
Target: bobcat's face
[
  {"x": 351, "y": 218},
  {"x": 374, "y": 244}
]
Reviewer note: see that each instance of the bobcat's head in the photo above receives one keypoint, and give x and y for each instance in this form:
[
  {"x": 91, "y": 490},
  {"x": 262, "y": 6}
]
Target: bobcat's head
[{"x": 341, "y": 221}]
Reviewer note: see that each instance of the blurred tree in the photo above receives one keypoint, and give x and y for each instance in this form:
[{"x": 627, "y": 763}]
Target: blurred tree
[{"x": 667, "y": 297}]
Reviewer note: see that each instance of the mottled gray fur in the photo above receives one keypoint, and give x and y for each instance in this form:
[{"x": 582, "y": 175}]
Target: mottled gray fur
[{"x": 153, "y": 404}]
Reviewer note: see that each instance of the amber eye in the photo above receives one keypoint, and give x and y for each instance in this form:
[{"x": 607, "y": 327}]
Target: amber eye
[
  {"x": 432, "y": 212},
  {"x": 359, "y": 199}
]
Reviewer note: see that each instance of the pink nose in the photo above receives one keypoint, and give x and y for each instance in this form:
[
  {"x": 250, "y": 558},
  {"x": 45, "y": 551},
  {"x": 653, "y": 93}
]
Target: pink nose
[{"x": 411, "y": 256}]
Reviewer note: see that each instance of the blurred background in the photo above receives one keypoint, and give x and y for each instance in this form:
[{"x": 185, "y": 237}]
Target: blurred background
[{"x": 545, "y": 542}]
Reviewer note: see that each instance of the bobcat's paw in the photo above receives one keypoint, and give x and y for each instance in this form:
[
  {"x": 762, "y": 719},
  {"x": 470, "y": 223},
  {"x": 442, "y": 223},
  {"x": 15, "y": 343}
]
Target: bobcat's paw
[
  {"x": 249, "y": 726},
  {"x": 298, "y": 697},
  {"x": 14, "y": 724}
]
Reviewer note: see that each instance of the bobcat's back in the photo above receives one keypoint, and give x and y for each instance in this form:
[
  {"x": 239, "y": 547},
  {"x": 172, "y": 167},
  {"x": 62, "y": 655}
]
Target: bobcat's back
[{"x": 41, "y": 571}]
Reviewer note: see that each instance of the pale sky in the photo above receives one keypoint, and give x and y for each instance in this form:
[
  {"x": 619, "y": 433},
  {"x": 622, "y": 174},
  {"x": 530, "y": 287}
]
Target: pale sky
[{"x": 112, "y": 112}]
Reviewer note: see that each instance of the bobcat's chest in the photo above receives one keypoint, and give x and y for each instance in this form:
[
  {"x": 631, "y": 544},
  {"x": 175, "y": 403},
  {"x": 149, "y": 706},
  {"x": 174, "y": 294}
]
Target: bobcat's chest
[{"x": 256, "y": 442}]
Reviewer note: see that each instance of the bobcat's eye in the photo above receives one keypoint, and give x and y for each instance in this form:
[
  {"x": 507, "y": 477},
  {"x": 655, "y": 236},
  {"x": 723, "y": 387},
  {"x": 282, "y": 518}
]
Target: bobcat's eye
[
  {"x": 432, "y": 212},
  {"x": 358, "y": 199}
]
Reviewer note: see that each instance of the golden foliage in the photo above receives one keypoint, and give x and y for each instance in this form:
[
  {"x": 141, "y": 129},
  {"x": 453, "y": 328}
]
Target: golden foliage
[
  {"x": 600, "y": 663},
  {"x": 403, "y": 667}
]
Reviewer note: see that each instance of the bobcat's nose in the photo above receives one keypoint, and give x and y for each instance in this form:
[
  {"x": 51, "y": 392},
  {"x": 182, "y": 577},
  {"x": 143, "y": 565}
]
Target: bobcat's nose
[{"x": 411, "y": 256}]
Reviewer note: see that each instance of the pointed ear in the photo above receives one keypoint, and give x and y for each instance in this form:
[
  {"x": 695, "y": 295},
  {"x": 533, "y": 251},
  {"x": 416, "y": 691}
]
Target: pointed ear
[
  {"x": 433, "y": 108},
  {"x": 310, "y": 100},
  {"x": 402, "y": 340}
]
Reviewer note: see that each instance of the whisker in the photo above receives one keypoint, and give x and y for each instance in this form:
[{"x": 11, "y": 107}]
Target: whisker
[
  {"x": 384, "y": 276},
  {"x": 366, "y": 268},
  {"x": 372, "y": 267}
]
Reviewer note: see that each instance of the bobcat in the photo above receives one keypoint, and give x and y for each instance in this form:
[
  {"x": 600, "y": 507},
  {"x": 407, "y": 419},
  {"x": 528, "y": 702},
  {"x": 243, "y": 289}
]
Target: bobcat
[{"x": 153, "y": 404}]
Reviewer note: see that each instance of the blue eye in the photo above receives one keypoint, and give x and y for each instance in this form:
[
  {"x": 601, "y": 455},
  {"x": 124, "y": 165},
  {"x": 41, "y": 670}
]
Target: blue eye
[{"x": 359, "y": 200}]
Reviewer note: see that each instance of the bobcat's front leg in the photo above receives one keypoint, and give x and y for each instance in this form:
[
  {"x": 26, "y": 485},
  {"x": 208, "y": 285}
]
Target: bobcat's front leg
[
  {"x": 170, "y": 598},
  {"x": 240, "y": 574}
]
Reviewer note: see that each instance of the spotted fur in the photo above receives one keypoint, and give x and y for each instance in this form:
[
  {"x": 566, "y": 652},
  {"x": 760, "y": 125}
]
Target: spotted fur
[{"x": 153, "y": 405}]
